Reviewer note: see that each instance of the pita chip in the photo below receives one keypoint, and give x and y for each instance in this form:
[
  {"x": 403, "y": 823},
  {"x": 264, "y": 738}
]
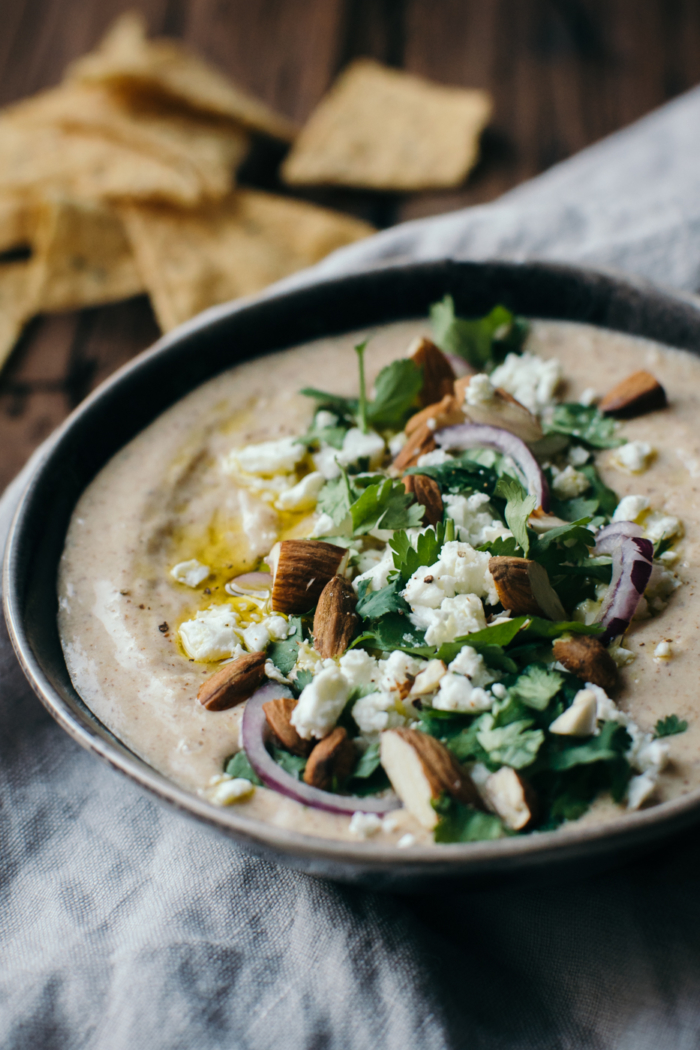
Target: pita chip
[
  {"x": 17, "y": 285},
  {"x": 17, "y": 221}
]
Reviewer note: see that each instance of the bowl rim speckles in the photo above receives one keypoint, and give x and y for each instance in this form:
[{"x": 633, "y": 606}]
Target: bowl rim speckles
[{"x": 219, "y": 339}]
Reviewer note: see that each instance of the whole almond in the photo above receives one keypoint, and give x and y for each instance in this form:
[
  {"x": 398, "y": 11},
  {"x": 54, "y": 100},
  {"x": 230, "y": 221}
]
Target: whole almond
[
  {"x": 333, "y": 758},
  {"x": 233, "y": 683},
  {"x": 301, "y": 569},
  {"x": 279, "y": 714},
  {"x": 639, "y": 393},
  {"x": 587, "y": 658},
  {"x": 438, "y": 373},
  {"x": 523, "y": 587},
  {"x": 335, "y": 621},
  {"x": 427, "y": 493}
]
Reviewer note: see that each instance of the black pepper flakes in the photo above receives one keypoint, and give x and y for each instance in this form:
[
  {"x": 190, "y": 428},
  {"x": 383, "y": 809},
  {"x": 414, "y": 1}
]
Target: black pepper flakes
[{"x": 163, "y": 628}]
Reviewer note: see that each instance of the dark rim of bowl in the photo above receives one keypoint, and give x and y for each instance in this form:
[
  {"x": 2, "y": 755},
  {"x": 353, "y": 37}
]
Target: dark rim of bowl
[{"x": 202, "y": 348}]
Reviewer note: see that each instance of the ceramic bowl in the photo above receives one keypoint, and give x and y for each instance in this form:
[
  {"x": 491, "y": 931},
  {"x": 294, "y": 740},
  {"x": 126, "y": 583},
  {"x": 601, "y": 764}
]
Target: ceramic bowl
[{"x": 215, "y": 341}]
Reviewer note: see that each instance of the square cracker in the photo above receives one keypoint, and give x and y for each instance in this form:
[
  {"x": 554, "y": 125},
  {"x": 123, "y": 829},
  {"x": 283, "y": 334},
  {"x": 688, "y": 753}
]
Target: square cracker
[
  {"x": 190, "y": 260},
  {"x": 383, "y": 129},
  {"x": 126, "y": 58}
]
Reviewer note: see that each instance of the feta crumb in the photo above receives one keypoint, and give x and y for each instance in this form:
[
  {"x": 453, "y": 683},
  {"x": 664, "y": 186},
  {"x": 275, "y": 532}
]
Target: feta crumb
[
  {"x": 397, "y": 443},
  {"x": 256, "y": 637},
  {"x": 269, "y": 457},
  {"x": 212, "y": 634},
  {"x": 659, "y": 526},
  {"x": 324, "y": 526},
  {"x": 471, "y": 664},
  {"x": 304, "y": 495},
  {"x": 588, "y": 397},
  {"x": 663, "y": 651},
  {"x": 358, "y": 445},
  {"x": 569, "y": 482},
  {"x": 455, "y": 618},
  {"x": 480, "y": 390},
  {"x": 578, "y": 455},
  {"x": 379, "y": 573},
  {"x": 531, "y": 379},
  {"x": 259, "y": 523},
  {"x": 458, "y": 694},
  {"x": 325, "y": 461},
  {"x": 499, "y": 691},
  {"x": 390, "y": 823},
  {"x": 397, "y": 669},
  {"x": 428, "y": 680},
  {"x": 359, "y": 667},
  {"x": 621, "y": 656},
  {"x": 364, "y": 824},
  {"x": 459, "y": 570},
  {"x": 434, "y": 458},
  {"x": 474, "y": 519},
  {"x": 232, "y": 791},
  {"x": 324, "y": 419},
  {"x": 406, "y": 840},
  {"x": 580, "y": 718},
  {"x": 630, "y": 508},
  {"x": 191, "y": 572},
  {"x": 661, "y": 586},
  {"x": 669, "y": 557},
  {"x": 639, "y": 789},
  {"x": 376, "y": 712},
  {"x": 633, "y": 458},
  {"x": 308, "y": 659},
  {"x": 274, "y": 674},
  {"x": 277, "y": 627},
  {"x": 587, "y": 611},
  {"x": 321, "y": 703}
]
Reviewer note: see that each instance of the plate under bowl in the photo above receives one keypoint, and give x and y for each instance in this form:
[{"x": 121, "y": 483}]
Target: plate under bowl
[{"x": 215, "y": 341}]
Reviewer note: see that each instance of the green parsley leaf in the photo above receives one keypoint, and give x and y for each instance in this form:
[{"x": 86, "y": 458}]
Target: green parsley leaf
[
  {"x": 284, "y": 654},
  {"x": 385, "y": 505},
  {"x": 586, "y": 424},
  {"x": 514, "y": 745},
  {"x": 460, "y": 475},
  {"x": 669, "y": 726},
  {"x": 482, "y": 342},
  {"x": 336, "y": 497},
  {"x": 239, "y": 766},
  {"x": 377, "y": 603},
  {"x": 609, "y": 745},
  {"x": 392, "y": 631},
  {"x": 607, "y": 498},
  {"x": 395, "y": 391},
  {"x": 519, "y": 507},
  {"x": 299, "y": 683},
  {"x": 368, "y": 762},
  {"x": 408, "y": 558},
  {"x": 346, "y": 407},
  {"x": 536, "y": 686},
  {"x": 460, "y": 823},
  {"x": 540, "y": 628},
  {"x": 501, "y": 547},
  {"x": 333, "y": 436},
  {"x": 292, "y": 764}
]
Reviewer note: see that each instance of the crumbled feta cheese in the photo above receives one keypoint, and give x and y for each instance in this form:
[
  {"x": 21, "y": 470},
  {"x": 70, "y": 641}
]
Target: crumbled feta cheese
[
  {"x": 256, "y": 637},
  {"x": 390, "y": 823},
  {"x": 630, "y": 508},
  {"x": 458, "y": 694},
  {"x": 474, "y": 519},
  {"x": 499, "y": 691},
  {"x": 663, "y": 651},
  {"x": 471, "y": 664},
  {"x": 376, "y": 712},
  {"x": 459, "y": 570},
  {"x": 647, "y": 754},
  {"x": 531, "y": 379},
  {"x": 661, "y": 586},
  {"x": 378, "y": 573},
  {"x": 397, "y": 443},
  {"x": 359, "y": 667},
  {"x": 588, "y": 397},
  {"x": 580, "y": 718},
  {"x": 428, "y": 680},
  {"x": 397, "y": 669},
  {"x": 212, "y": 634},
  {"x": 232, "y": 791},
  {"x": 587, "y": 611},
  {"x": 324, "y": 419},
  {"x": 669, "y": 557},
  {"x": 274, "y": 674},
  {"x": 569, "y": 482},
  {"x": 480, "y": 390},
  {"x": 578, "y": 455},
  {"x": 259, "y": 523},
  {"x": 434, "y": 458},
  {"x": 191, "y": 572},
  {"x": 358, "y": 445},
  {"x": 324, "y": 526},
  {"x": 455, "y": 618},
  {"x": 325, "y": 461},
  {"x": 406, "y": 840},
  {"x": 659, "y": 526},
  {"x": 691, "y": 464},
  {"x": 308, "y": 659},
  {"x": 270, "y": 457},
  {"x": 368, "y": 559},
  {"x": 277, "y": 627},
  {"x": 304, "y": 495},
  {"x": 364, "y": 824},
  {"x": 321, "y": 703},
  {"x": 621, "y": 656},
  {"x": 633, "y": 458},
  {"x": 639, "y": 789}
]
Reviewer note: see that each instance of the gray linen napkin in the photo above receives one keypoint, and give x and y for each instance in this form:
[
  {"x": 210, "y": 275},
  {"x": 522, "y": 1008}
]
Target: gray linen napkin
[{"x": 126, "y": 926}]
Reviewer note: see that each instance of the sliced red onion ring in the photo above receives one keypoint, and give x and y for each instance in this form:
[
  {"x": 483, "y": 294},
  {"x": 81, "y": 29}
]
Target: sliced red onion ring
[
  {"x": 253, "y": 732},
  {"x": 474, "y": 435},
  {"x": 255, "y": 584},
  {"x": 632, "y": 560},
  {"x": 609, "y": 538},
  {"x": 459, "y": 366}
]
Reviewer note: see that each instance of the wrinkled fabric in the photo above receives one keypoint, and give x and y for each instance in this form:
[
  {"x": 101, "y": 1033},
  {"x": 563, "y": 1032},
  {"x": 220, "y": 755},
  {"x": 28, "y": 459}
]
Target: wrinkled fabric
[{"x": 126, "y": 926}]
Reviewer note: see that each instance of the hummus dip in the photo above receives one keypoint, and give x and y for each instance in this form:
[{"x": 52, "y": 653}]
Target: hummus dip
[{"x": 164, "y": 500}]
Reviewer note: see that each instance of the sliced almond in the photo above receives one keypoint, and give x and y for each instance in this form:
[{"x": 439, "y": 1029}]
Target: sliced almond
[
  {"x": 333, "y": 758},
  {"x": 419, "y": 443},
  {"x": 523, "y": 587},
  {"x": 504, "y": 411},
  {"x": 300, "y": 570},
  {"x": 443, "y": 413},
  {"x": 428, "y": 681},
  {"x": 438, "y": 373},
  {"x": 639, "y": 393},
  {"x": 233, "y": 683},
  {"x": 421, "y": 769},
  {"x": 587, "y": 658},
  {"x": 511, "y": 798},
  {"x": 278, "y": 714},
  {"x": 427, "y": 493},
  {"x": 335, "y": 620}
]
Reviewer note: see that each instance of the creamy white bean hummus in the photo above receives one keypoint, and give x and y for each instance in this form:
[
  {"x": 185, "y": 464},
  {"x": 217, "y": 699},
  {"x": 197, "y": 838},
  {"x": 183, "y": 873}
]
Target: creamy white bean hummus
[{"x": 164, "y": 500}]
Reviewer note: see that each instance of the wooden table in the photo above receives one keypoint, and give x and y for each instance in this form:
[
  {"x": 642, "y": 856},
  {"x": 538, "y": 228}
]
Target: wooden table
[{"x": 563, "y": 74}]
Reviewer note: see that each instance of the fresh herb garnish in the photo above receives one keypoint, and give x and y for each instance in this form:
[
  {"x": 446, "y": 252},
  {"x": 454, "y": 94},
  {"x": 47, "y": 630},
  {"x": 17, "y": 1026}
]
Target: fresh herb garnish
[
  {"x": 385, "y": 505},
  {"x": 460, "y": 475},
  {"x": 392, "y": 631},
  {"x": 536, "y": 686},
  {"x": 515, "y": 744},
  {"x": 519, "y": 507},
  {"x": 428, "y": 545},
  {"x": 378, "y": 603},
  {"x": 239, "y": 766},
  {"x": 460, "y": 823},
  {"x": 284, "y": 654},
  {"x": 669, "y": 726},
  {"x": 586, "y": 424},
  {"x": 482, "y": 342}
]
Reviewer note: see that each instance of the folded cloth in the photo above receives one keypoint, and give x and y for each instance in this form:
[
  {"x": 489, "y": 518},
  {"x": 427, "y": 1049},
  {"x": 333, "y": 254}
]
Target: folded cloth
[{"x": 126, "y": 926}]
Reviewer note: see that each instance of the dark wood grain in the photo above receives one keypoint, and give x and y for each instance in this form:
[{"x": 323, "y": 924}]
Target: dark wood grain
[{"x": 563, "y": 74}]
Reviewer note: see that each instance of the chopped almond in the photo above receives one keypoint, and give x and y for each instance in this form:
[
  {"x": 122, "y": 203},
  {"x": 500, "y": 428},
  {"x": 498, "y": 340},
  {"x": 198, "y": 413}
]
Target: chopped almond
[
  {"x": 587, "y": 658},
  {"x": 279, "y": 714},
  {"x": 301, "y": 569},
  {"x": 233, "y": 683},
  {"x": 333, "y": 758},
  {"x": 438, "y": 373},
  {"x": 335, "y": 620},
  {"x": 509, "y": 795},
  {"x": 420, "y": 442},
  {"x": 639, "y": 393},
  {"x": 427, "y": 493},
  {"x": 444, "y": 413},
  {"x": 523, "y": 587}
]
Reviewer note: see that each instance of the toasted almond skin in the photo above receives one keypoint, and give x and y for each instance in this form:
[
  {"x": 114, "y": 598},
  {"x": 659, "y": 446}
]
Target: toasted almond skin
[
  {"x": 233, "y": 683},
  {"x": 304, "y": 567},
  {"x": 335, "y": 621},
  {"x": 444, "y": 413},
  {"x": 442, "y": 770},
  {"x": 588, "y": 658},
  {"x": 427, "y": 493},
  {"x": 639, "y": 393},
  {"x": 278, "y": 714},
  {"x": 419, "y": 442},
  {"x": 518, "y": 581},
  {"x": 334, "y": 756},
  {"x": 438, "y": 373}
]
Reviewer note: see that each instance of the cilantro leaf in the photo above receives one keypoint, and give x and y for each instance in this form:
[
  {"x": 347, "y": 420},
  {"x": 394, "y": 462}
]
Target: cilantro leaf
[
  {"x": 586, "y": 424},
  {"x": 301, "y": 681},
  {"x": 392, "y": 631},
  {"x": 536, "y": 686},
  {"x": 460, "y": 475},
  {"x": 342, "y": 406},
  {"x": 336, "y": 497},
  {"x": 333, "y": 436},
  {"x": 284, "y": 654},
  {"x": 239, "y": 766},
  {"x": 482, "y": 342},
  {"x": 386, "y": 600},
  {"x": 503, "y": 547},
  {"x": 292, "y": 764},
  {"x": 519, "y": 507},
  {"x": 669, "y": 726},
  {"x": 385, "y": 505},
  {"x": 540, "y": 628},
  {"x": 609, "y": 745},
  {"x": 607, "y": 498},
  {"x": 408, "y": 558},
  {"x": 460, "y": 823},
  {"x": 395, "y": 391},
  {"x": 514, "y": 745}
]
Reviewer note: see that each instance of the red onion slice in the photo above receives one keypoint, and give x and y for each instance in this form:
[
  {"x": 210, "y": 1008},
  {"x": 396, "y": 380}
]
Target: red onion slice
[
  {"x": 610, "y": 537},
  {"x": 253, "y": 732},
  {"x": 474, "y": 435},
  {"x": 460, "y": 367},
  {"x": 632, "y": 564}
]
